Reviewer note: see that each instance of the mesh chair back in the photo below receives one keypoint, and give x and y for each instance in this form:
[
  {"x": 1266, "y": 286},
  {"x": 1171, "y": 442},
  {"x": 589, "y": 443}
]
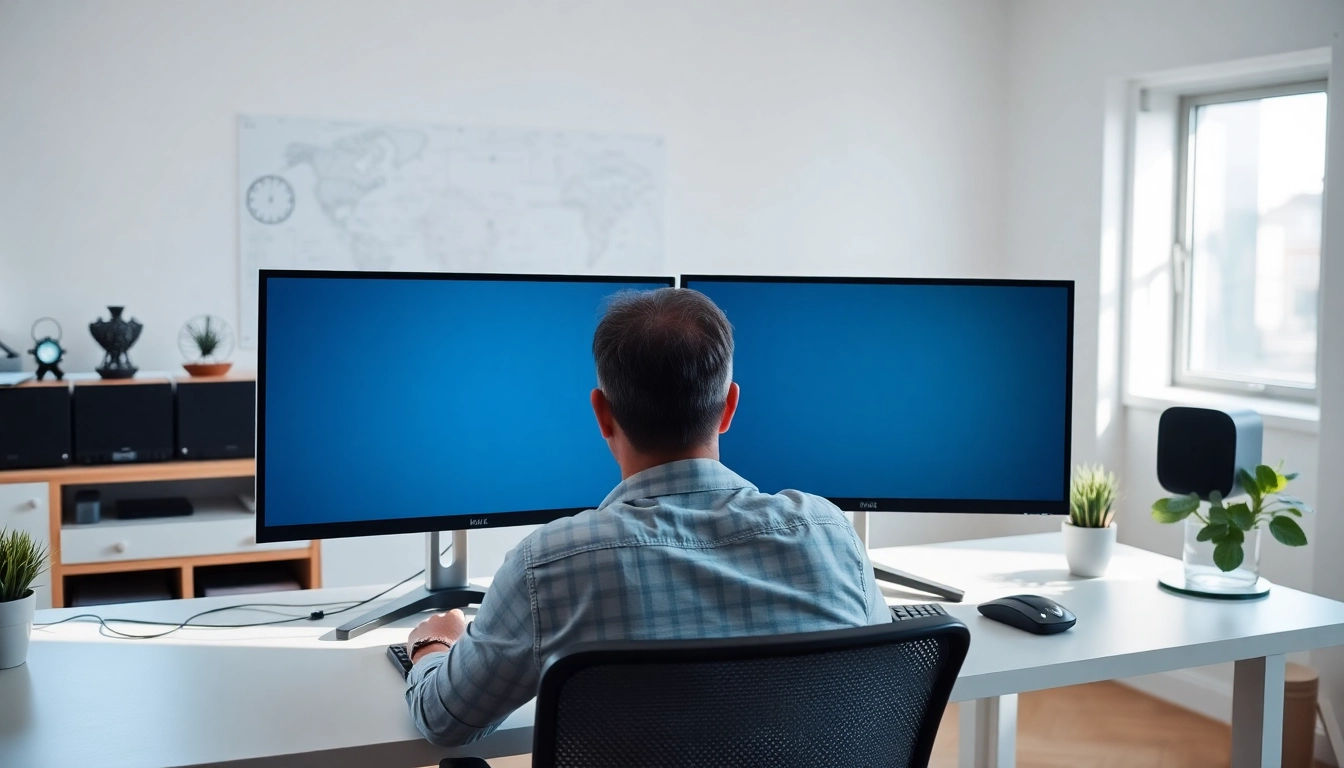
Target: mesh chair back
[{"x": 871, "y": 696}]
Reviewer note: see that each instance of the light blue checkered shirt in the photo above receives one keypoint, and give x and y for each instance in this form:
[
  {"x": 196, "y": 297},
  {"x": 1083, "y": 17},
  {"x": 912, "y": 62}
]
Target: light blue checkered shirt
[{"x": 683, "y": 550}]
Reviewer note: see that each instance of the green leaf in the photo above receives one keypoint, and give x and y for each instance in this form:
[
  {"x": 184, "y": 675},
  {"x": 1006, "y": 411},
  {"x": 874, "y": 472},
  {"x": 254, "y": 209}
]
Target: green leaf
[
  {"x": 1288, "y": 532},
  {"x": 1175, "y": 509},
  {"x": 1211, "y": 531},
  {"x": 1239, "y": 515},
  {"x": 1229, "y": 533},
  {"x": 1218, "y": 515},
  {"x": 1293, "y": 511},
  {"x": 1291, "y": 476},
  {"x": 1228, "y": 555},
  {"x": 1248, "y": 483},
  {"x": 1269, "y": 480}
]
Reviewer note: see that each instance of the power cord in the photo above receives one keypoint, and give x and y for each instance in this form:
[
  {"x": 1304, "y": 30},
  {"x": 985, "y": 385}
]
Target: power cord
[{"x": 106, "y": 630}]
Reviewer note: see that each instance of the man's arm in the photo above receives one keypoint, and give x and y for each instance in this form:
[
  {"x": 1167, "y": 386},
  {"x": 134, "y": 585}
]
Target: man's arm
[{"x": 461, "y": 695}]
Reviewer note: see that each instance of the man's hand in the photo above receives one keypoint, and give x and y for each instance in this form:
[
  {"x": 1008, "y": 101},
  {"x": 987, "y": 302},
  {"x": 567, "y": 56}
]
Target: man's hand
[{"x": 449, "y": 626}]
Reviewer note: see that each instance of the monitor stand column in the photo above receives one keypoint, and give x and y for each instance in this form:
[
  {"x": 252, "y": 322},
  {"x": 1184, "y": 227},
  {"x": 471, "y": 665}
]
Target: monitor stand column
[
  {"x": 446, "y": 587},
  {"x": 901, "y": 578}
]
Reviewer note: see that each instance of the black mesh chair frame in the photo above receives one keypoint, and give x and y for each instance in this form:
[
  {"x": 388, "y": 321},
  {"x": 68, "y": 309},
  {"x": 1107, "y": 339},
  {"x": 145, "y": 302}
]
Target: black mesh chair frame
[{"x": 562, "y": 668}]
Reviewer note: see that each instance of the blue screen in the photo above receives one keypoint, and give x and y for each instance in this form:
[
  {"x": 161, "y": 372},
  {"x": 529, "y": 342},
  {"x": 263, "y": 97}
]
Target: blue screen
[
  {"x": 394, "y": 398},
  {"x": 930, "y": 391}
]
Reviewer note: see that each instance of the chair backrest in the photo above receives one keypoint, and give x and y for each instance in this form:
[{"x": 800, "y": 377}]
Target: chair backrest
[{"x": 870, "y": 696}]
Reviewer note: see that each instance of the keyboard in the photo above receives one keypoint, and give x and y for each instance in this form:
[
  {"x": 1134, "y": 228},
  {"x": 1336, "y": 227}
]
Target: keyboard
[
  {"x": 916, "y": 611},
  {"x": 400, "y": 659}
]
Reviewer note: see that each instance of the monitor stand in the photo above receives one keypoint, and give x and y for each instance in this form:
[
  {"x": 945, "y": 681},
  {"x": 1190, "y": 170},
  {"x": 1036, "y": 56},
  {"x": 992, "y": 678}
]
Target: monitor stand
[
  {"x": 446, "y": 587},
  {"x": 902, "y": 578}
]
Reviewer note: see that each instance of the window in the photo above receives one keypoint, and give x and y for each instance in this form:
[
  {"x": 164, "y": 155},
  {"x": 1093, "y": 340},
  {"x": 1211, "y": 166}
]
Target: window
[{"x": 1247, "y": 267}]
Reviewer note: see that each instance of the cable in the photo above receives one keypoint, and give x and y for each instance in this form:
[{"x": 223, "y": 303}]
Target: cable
[{"x": 107, "y": 631}]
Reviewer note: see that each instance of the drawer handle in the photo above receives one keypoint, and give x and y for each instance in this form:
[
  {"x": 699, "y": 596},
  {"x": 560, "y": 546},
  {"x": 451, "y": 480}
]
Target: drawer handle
[{"x": 119, "y": 547}]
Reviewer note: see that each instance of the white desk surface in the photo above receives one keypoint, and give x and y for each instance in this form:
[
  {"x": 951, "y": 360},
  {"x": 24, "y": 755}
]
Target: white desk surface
[{"x": 284, "y": 695}]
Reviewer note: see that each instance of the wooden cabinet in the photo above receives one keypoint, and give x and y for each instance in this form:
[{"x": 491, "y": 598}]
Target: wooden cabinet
[
  {"x": 218, "y": 534},
  {"x": 25, "y": 506}
]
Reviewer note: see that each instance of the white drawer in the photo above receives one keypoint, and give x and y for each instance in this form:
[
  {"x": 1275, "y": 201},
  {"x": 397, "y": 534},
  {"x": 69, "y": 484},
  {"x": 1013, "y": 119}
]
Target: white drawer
[
  {"x": 201, "y": 534},
  {"x": 24, "y": 507}
]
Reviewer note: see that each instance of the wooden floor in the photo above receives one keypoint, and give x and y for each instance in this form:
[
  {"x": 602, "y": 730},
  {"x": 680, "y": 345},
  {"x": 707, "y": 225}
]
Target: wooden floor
[{"x": 1102, "y": 725}]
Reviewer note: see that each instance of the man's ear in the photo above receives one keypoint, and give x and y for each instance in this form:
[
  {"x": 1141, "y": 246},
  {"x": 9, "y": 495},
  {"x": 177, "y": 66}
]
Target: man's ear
[
  {"x": 729, "y": 407},
  {"x": 602, "y": 410}
]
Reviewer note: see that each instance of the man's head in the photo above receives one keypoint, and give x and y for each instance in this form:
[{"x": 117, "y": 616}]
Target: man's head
[{"x": 664, "y": 376}]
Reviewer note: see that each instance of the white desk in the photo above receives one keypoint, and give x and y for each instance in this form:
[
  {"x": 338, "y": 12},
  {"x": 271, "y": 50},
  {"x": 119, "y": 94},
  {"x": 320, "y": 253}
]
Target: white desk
[
  {"x": 1126, "y": 627},
  {"x": 284, "y": 696}
]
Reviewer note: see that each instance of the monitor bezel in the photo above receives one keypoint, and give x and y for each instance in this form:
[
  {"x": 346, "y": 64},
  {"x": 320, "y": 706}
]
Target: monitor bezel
[
  {"x": 279, "y": 533},
  {"x": 967, "y": 506}
]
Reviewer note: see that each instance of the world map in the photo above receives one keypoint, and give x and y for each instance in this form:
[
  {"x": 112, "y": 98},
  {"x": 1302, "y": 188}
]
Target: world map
[{"x": 333, "y": 194}]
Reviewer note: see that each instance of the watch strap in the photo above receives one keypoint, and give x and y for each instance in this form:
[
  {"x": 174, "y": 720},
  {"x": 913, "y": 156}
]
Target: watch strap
[{"x": 427, "y": 641}]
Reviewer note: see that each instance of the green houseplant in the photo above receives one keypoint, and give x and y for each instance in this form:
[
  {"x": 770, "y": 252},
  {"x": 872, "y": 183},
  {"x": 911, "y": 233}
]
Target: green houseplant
[
  {"x": 1218, "y": 538},
  {"x": 22, "y": 560},
  {"x": 1090, "y": 531},
  {"x": 206, "y": 342}
]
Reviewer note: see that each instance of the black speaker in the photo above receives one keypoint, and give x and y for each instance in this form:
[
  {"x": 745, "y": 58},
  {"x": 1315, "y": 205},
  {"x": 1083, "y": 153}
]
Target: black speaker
[
  {"x": 1199, "y": 450},
  {"x": 216, "y": 419},
  {"x": 128, "y": 421},
  {"x": 35, "y": 425}
]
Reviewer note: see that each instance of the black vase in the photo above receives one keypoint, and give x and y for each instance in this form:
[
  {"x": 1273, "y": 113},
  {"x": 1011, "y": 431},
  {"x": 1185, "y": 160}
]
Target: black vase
[{"x": 116, "y": 336}]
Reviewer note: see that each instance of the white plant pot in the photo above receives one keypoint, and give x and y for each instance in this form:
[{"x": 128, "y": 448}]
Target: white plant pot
[
  {"x": 1088, "y": 550},
  {"x": 16, "y": 625}
]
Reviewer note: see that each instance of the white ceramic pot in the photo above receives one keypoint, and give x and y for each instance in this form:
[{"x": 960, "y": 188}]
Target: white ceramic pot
[
  {"x": 16, "y": 624},
  {"x": 1088, "y": 550}
]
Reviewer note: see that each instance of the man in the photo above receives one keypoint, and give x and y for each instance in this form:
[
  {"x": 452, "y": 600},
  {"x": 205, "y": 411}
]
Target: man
[{"x": 682, "y": 548}]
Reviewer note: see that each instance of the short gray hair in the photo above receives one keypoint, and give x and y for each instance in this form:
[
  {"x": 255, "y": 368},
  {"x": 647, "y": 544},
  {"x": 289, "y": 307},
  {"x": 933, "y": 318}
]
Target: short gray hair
[{"x": 665, "y": 362}]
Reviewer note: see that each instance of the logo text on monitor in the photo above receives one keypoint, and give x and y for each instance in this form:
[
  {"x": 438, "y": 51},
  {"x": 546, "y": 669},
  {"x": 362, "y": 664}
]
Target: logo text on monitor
[{"x": 478, "y": 521}]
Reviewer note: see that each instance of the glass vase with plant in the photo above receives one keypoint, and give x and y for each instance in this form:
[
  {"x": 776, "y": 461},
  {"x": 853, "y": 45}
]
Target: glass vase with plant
[
  {"x": 1222, "y": 541},
  {"x": 206, "y": 342}
]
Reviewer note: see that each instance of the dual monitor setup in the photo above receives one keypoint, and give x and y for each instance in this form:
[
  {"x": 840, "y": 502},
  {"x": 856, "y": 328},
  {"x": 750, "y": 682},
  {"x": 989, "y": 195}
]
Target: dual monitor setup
[{"x": 407, "y": 403}]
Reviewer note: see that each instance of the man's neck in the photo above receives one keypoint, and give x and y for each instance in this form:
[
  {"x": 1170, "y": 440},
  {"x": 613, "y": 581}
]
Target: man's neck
[{"x": 636, "y": 463}]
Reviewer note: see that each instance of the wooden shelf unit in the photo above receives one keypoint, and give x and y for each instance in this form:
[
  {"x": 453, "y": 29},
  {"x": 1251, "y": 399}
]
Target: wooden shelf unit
[{"x": 307, "y": 558}]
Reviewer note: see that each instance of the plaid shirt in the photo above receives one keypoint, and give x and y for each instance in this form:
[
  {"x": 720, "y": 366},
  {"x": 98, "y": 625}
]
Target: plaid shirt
[{"x": 683, "y": 550}]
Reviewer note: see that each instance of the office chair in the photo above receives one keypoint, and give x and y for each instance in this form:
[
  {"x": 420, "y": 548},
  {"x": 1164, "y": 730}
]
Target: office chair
[{"x": 870, "y": 696}]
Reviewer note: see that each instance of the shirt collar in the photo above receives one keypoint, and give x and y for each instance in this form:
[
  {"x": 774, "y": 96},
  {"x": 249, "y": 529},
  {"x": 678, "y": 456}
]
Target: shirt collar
[{"x": 685, "y": 476}]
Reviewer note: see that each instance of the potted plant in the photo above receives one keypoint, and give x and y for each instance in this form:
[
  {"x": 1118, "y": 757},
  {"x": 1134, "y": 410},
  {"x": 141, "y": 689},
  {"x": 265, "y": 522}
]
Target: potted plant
[
  {"x": 206, "y": 341},
  {"x": 1089, "y": 533},
  {"x": 22, "y": 559},
  {"x": 1222, "y": 542}
]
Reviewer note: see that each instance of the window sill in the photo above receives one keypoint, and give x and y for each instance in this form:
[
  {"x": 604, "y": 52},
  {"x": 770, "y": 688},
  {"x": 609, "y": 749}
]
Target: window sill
[{"x": 1277, "y": 414}]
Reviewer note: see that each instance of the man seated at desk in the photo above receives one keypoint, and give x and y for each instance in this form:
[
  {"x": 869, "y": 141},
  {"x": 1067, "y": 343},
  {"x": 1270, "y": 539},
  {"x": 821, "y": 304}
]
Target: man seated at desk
[{"x": 681, "y": 548}]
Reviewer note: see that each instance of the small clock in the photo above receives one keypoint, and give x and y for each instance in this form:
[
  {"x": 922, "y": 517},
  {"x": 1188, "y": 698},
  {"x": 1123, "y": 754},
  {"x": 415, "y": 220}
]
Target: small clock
[
  {"x": 47, "y": 351},
  {"x": 270, "y": 199}
]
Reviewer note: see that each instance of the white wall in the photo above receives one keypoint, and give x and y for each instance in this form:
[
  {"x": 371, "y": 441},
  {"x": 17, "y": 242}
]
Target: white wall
[
  {"x": 1063, "y": 57},
  {"x": 802, "y": 137}
]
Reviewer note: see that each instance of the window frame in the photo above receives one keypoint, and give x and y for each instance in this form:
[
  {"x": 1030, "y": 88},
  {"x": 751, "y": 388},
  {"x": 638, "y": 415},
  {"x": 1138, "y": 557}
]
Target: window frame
[{"x": 1183, "y": 261}]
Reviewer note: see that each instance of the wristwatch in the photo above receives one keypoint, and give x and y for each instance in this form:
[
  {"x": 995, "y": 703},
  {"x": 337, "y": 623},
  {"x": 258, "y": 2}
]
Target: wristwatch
[{"x": 425, "y": 641}]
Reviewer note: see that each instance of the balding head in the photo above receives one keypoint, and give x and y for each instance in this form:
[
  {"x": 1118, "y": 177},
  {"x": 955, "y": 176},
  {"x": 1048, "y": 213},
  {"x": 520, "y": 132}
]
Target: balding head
[{"x": 665, "y": 364}]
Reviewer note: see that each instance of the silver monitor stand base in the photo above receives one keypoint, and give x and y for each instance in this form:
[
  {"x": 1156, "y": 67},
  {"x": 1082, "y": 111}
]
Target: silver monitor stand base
[
  {"x": 446, "y": 587},
  {"x": 902, "y": 578}
]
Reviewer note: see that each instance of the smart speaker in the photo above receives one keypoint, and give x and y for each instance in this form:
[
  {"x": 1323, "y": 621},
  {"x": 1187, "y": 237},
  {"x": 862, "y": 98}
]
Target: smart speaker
[{"x": 1199, "y": 450}]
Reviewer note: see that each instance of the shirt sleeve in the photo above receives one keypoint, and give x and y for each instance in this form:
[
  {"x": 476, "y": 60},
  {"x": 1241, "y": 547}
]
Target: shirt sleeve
[{"x": 464, "y": 694}]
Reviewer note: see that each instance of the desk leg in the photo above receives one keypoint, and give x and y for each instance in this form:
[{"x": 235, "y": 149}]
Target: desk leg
[
  {"x": 1257, "y": 713},
  {"x": 987, "y": 733}
]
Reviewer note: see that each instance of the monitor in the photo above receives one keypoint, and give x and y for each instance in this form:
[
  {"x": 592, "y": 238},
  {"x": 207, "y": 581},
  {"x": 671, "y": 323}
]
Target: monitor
[
  {"x": 910, "y": 395},
  {"x": 405, "y": 402}
]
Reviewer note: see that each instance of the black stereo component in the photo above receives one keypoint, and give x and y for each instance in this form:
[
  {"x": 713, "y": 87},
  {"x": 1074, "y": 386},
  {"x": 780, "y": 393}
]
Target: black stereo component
[
  {"x": 1200, "y": 450},
  {"x": 216, "y": 419},
  {"x": 124, "y": 421},
  {"x": 136, "y": 509},
  {"x": 35, "y": 425}
]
